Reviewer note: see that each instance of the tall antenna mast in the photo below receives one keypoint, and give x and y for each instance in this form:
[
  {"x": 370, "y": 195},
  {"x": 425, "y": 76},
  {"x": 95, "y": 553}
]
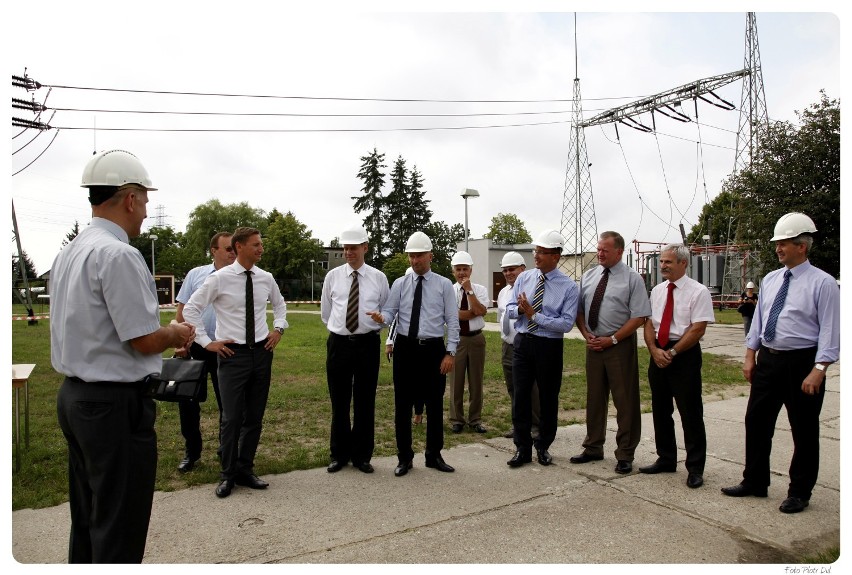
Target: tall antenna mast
[{"x": 579, "y": 226}]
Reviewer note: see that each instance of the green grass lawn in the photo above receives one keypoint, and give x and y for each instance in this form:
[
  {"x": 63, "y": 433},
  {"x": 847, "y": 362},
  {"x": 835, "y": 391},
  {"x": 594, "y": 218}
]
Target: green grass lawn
[{"x": 296, "y": 425}]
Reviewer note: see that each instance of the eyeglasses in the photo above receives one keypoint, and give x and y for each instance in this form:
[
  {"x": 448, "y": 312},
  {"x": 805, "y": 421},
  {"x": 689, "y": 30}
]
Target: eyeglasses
[
  {"x": 544, "y": 253},
  {"x": 226, "y": 248}
]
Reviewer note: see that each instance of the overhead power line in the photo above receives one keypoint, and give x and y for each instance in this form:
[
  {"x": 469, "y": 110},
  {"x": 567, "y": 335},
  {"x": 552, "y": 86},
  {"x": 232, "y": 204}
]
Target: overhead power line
[{"x": 330, "y": 98}]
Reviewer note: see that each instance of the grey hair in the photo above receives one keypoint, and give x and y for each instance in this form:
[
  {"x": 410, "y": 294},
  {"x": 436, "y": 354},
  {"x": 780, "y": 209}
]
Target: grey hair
[
  {"x": 681, "y": 251},
  {"x": 806, "y": 239}
]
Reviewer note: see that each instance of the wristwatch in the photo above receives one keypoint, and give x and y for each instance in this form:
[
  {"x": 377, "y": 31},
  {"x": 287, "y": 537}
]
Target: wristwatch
[
  {"x": 820, "y": 366},
  {"x": 470, "y": 292},
  {"x": 672, "y": 352},
  {"x": 614, "y": 340},
  {"x": 451, "y": 353},
  {"x": 280, "y": 330}
]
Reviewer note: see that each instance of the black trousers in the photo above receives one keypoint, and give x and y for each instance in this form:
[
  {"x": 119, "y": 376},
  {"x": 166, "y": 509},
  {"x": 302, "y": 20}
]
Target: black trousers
[
  {"x": 777, "y": 381},
  {"x": 352, "y": 370},
  {"x": 190, "y": 411},
  {"x": 679, "y": 383},
  {"x": 417, "y": 374},
  {"x": 244, "y": 387},
  {"x": 112, "y": 466},
  {"x": 537, "y": 360}
]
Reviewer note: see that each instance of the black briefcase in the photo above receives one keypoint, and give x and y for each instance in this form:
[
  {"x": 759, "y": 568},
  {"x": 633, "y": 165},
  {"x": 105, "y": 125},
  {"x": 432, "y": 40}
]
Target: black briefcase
[{"x": 179, "y": 380}]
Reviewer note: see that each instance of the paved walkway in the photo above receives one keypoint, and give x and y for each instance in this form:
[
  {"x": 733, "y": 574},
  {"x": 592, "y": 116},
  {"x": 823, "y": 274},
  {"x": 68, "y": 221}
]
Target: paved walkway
[{"x": 486, "y": 512}]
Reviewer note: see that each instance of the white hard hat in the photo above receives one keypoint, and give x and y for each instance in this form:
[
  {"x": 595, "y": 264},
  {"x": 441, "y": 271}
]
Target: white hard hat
[
  {"x": 791, "y": 225},
  {"x": 750, "y": 285},
  {"x": 418, "y": 242},
  {"x": 115, "y": 168},
  {"x": 353, "y": 235},
  {"x": 550, "y": 239},
  {"x": 512, "y": 259},
  {"x": 461, "y": 259}
]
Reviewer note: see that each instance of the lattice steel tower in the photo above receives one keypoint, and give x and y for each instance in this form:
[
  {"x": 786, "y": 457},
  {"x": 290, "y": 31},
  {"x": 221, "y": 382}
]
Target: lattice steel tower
[
  {"x": 753, "y": 119},
  {"x": 579, "y": 226}
]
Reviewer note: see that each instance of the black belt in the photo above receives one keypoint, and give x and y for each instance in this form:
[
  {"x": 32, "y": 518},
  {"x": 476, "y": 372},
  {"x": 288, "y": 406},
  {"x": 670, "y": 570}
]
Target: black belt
[
  {"x": 422, "y": 340},
  {"x": 471, "y": 334},
  {"x": 786, "y": 351},
  {"x": 260, "y": 343},
  {"x": 137, "y": 385},
  {"x": 355, "y": 336}
]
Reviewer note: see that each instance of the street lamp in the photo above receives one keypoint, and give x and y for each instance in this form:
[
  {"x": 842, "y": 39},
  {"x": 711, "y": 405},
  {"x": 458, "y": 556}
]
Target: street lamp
[
  {"x": 467, "y": 193},
  {"x": 312, "y": 280},
  {"x": 153, "y": 239}
]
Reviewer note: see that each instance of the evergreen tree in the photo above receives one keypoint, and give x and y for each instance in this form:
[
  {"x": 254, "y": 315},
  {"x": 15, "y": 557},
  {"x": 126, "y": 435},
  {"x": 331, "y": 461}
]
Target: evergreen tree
[
  {"x": 29, "y": 268},
  {"x": 372, "y": 203},
  {"x": 397, "y": 221},
  {"x": 72, "y": 234},
  {"x": 419, "y": 215}
]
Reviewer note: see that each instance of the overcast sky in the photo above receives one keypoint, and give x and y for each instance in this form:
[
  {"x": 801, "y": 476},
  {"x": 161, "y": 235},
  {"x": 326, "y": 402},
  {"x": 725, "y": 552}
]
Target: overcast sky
[{"x": 529, "y": 56}]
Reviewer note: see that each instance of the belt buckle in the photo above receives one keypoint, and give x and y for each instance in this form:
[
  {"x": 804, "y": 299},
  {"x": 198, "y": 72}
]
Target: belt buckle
[{"x": 421, "y": 341}]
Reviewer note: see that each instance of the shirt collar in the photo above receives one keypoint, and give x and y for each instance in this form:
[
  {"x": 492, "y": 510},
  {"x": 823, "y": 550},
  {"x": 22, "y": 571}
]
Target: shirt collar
[{"x": 111, "y": 227}]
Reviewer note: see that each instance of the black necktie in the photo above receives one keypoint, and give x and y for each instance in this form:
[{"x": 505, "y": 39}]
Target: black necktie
[
  {"x": 414, "y": 326},
  {"x": 249, "y": 309}
]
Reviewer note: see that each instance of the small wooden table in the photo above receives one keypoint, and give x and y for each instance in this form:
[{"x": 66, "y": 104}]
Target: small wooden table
[{"x": 20, "y": 375}]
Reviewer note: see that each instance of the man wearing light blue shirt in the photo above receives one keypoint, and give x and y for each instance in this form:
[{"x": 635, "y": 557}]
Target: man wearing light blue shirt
[
  {"x": 544, "y": 307},
  {"x": 794, "y": 337},
  {"x": 424, "y": 303},
  {"x": 190, "y": 411}
]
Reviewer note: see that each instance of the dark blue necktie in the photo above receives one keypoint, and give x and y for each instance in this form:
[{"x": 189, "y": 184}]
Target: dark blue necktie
[
  {"x": 775, "y": 310},
  {"x": 414, "y": 325}
]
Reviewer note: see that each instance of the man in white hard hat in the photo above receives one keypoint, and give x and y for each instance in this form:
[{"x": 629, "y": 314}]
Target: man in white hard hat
[
  {"x": 106, "y": 338},
  {"x": 613, "y": 305},
  {"x": 544, "y": 307},
  {"x": 470, "y": 356},
  {"x": 682, "y": 308},
  {"x": 424, "y": 304},
  {"x": 512, "y": 265},
  {"x": 418, "y": 401},
  {"x": 353, "y": 346},
  {"x": 747, "y": 304},
  {"x": 794, "y": 337},
  {"x": 244, "y": 344},
  {"x": 190, "y": 411}
]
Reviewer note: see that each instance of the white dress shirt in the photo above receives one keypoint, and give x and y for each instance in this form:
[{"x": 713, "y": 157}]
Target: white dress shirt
[
  {"x": 373, "y": 291},
  {"x": 692, "y": 304},
  {"x": 481, "y": 294},
  {"x": 226, "y": 292}
]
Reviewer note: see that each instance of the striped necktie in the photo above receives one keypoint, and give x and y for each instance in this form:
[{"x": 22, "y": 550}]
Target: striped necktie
[
  {"x": 352, "y": 305},
  {"x": 532, "y": 326},
  {"x": 777, "y": 306}
]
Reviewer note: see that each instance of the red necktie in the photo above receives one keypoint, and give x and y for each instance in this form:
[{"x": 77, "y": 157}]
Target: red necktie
[{"x": 666, "y": 322}]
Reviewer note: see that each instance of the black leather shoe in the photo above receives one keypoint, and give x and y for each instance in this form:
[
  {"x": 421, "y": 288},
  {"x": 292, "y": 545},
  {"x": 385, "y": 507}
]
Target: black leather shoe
[
  {"x": 585, "y": 458},
  {"x": 659, "y": 466},
  {"x": 457, "y": 428},
  {"x": 544, "y": 457},
  {"x": 623, "y": 466},
  {"x": 479, "y": 428},
  {"x": 743, "y": 490},
  {"x": 694, "y": 480},
  {"x": 365, "y": 467},
  {"x": 251, "y": 481},
  {"x": 335, "y": 466},
  {"x": 403, "y": 468},
  {"x": 224, "y": 488},
  {"x": 793, "y": 505},
  {"x": 187, "y": 464},
  {"x": 439, "y": 464},
  {"x": 519, "y": 459}
]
